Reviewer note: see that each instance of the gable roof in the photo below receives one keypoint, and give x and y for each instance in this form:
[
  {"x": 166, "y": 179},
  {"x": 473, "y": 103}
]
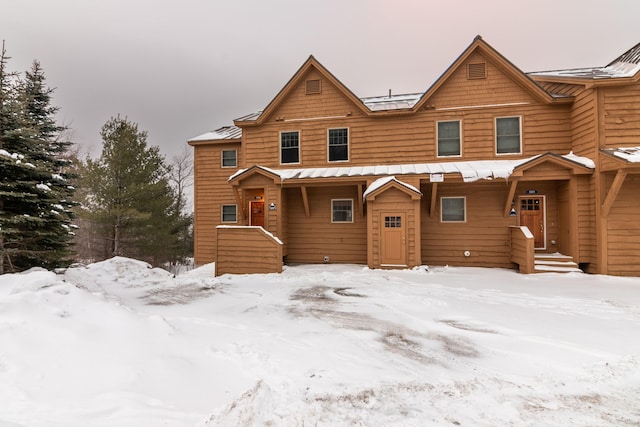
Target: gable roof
[
  {"x": 309, "y": 64},
  {"x": 381, "y": 185},
  {"x": 506, "y": 66},
  {"x": 223, "y": 134}
]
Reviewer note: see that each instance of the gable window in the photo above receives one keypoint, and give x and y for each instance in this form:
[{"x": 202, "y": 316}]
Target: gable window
[
  {"x": 338, "y": 145},
  {"x": 229, "y": 213},
  {"x": 342, "y": 210},
  {"x": 290, "y": 147},
  {"x": 508, "y": 135},
  {"x": 453, "y": 209},
  {"x": 229, "y": 158},
  {"x": 449, "y": 138}
]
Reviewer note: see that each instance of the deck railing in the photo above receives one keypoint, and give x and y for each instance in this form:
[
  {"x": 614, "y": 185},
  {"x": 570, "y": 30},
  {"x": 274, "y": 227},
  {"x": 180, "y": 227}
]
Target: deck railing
[
  {"x": 522, "y": 249},
  {"x": 247, "y": 249}
]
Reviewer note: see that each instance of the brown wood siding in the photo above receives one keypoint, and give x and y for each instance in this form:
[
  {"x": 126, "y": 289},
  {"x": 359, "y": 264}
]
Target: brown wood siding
[
  {"x": 623, "y": 230},
  {"x": 588, "y": 251},
  {"x": 622, "y": 116},
  {"x": 211, "y": 190},
  {"x": 583, "y": 119},
  {"x": 485, "y": 235},
  {"x": 312, "y": 238},
  {"x": 247, "y": 250}
]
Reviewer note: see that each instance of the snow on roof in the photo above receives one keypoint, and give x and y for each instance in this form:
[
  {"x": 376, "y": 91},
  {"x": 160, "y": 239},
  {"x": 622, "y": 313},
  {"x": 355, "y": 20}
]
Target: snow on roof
[
  {"x": 381, "y": 182},
  {"x": 225, "y": 132},
  {"x": 626, "y": 65},
  {"x": 630, "y": 154},
  {"x": 391, "y": 102},
  {"x": 469, "y": 170}
]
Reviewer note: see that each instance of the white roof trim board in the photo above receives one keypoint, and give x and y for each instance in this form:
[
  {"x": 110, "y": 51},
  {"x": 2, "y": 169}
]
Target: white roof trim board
[{"x": 470, "y": 171}]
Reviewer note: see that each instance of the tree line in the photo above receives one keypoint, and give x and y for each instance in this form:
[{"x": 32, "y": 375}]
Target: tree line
[{"x": 57, "y": 208}]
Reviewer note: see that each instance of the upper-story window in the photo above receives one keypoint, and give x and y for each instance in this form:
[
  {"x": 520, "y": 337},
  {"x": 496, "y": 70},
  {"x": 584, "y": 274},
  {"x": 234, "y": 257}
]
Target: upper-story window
[
  {"x": 229, "y": 158},
  {"x": 338, "y": 145},
  {"x": 449, "y": 141},
  {"x": 290, "y": 147},
  {"x": 508, "y": 135}
]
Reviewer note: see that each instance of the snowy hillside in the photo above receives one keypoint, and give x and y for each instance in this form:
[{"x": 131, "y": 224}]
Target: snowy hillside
[{"x": 120, "y": 344}]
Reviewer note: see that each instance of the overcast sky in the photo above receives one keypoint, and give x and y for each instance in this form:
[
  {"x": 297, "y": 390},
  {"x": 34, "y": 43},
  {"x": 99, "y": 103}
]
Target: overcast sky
[{"x": 182, "y": 68}]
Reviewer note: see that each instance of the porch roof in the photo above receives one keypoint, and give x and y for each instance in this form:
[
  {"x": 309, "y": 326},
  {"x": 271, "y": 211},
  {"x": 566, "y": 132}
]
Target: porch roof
[{"x": 470, "y": 171}]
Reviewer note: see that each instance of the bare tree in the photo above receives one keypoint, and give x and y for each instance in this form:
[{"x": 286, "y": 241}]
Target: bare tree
[{"x": 181, "y": 176}]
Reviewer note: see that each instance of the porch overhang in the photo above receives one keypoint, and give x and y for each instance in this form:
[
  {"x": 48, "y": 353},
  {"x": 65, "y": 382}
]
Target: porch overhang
[
  {"x": 237, "y": 178},
  {"x": 552, "y": 166},
  {"x": 381, "y": 185},
  {"x": 623, "y": 158}
]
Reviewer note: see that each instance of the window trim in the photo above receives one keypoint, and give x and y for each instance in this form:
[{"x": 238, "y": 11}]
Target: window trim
[
  {"x": 222, "y": 158},
  {"x": 222, "y": 214},
  {"x": 464, "y": 206},
  {"x": 495, "y": 122},
  {"x": 299, "y": 147},
  {"x": 332, "y": 211},
  {"x": 348, "y": 145},
  {"x": 438, "y": 138}
]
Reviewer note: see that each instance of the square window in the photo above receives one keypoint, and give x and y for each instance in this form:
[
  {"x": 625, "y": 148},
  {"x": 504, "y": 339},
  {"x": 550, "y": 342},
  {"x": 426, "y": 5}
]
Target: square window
[
  {"x": 290, "y": 147},
  {"x": 229, "y": 213},
  {"x": 338, "y": 145},
  {"x": 342, "y": 210},
  {"x": 229, "y": 158},
  {"x": 453, "y": 209},
  {"x": 508, "y": 136},
  {"x": 449, "y": 138}
]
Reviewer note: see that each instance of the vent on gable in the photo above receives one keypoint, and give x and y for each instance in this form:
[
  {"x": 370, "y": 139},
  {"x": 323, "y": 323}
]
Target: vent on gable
[
  {"x": 312, "y": 86},
  {"x": 477, "y": 70}
]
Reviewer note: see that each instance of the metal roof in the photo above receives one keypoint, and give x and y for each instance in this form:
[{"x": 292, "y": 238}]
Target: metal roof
[
  {"x": 225, "y": 132},
  {"x": 626, "y": 65}
]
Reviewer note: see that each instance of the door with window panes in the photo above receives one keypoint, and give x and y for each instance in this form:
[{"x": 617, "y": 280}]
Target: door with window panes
[
  {"x": 532, "y": 216},
  {"x": 393, "y": 241}
]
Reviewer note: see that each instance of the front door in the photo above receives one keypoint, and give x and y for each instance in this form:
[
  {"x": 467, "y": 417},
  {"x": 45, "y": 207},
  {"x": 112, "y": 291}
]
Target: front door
[
  {"x": 256, "y": 213},
  {"x": 393, "y": 247},
  {"x": 532, "y": 215}
]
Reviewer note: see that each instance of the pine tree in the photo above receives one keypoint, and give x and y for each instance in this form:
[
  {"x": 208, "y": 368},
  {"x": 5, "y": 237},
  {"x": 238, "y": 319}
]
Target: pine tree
[
  {"x": 130, "y": 200},
  {"x": 35, "y": 200}
]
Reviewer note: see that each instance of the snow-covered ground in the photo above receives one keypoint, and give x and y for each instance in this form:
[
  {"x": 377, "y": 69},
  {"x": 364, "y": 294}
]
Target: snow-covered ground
[{"x": 119, "y": 344}]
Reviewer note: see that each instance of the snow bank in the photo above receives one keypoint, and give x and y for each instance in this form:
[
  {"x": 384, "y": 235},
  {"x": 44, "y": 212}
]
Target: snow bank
[{"x": 121, "y": 343}]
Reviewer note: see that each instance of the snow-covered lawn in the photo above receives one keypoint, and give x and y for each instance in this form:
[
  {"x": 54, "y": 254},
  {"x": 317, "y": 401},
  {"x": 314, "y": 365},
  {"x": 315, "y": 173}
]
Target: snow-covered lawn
[{"x": 119, "y": 344}]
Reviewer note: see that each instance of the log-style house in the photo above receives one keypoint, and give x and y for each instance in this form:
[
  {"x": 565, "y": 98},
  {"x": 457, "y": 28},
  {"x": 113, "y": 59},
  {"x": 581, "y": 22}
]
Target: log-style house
[{"x": 489, "y": 167}]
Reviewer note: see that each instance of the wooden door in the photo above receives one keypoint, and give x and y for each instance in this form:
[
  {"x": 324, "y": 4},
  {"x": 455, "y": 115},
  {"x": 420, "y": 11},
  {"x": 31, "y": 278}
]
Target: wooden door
[
  {"x": 393, "y": 245},
  {"x": 532, "y": 213},
  {"x": 256, "y": 213}
]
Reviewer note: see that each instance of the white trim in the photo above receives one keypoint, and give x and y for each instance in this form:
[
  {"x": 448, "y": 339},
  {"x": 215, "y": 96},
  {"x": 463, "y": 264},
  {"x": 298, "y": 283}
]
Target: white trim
[
  {"x": 495, "y": 136},
  {"x": 465, "y": 209},
  {"x": 459, "y": 139},
  {"x": 222, "y": 214},
  {"x": 299, "y": 146},
  {"x": 341, "y": 200},
  {"x": 222, "y": 159},
  {"x": 348, "y": 145}
]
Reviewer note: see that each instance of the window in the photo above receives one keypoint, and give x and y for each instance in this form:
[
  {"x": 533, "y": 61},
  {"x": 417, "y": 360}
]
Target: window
[
  {"x": 508, "y": 135},
  {"x": 338, "y": 145},
  {"x": 229, "y": 158},
  {"x": 290, "y": 147},
  {"x": 229, "y": 213},
  {"x": 453, "y": 209},
  {"x": 449, "y": 139},
  {"x": 393, "y": 222},
  {"x": 342, "y": 210}
]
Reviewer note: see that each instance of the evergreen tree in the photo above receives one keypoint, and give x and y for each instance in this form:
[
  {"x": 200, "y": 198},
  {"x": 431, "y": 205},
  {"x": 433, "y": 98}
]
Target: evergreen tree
[
  {"x": 35, "y": 201},
  {"x": 130, "y": 201}
]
